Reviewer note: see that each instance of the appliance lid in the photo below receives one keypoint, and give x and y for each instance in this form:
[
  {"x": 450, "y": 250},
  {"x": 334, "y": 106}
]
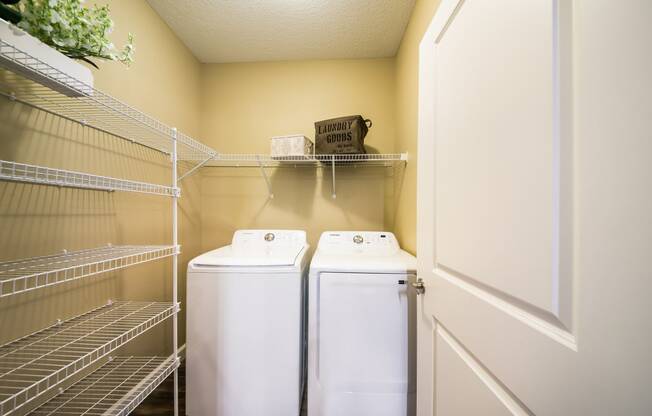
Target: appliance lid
[
  {"x": 256, "y": 248},
  {"x": 361, "y": 252}
]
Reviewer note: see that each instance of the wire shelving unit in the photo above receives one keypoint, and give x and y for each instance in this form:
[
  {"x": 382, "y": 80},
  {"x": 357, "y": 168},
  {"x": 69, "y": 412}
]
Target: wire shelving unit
[
  {"x": 35, "y": 364},
  {"x": 40, "y": 362},
  {"x": 20, "y": 276},
  {"x": 115, "y": 389}
]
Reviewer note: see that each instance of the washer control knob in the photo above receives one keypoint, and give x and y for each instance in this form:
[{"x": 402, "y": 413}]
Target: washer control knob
[
  {"x": 269, "y": 237},
  {"x": 358, "y": 239}
]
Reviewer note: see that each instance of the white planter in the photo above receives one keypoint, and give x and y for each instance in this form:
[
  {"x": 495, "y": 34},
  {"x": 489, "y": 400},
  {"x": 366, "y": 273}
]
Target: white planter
[{"x": 25, "y": 55}]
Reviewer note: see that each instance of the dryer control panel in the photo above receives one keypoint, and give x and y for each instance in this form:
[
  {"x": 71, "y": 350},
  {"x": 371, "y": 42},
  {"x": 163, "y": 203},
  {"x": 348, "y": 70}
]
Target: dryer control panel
[
  {"x": 370, "y": 243},
  {"x": 268, "y": 241}
]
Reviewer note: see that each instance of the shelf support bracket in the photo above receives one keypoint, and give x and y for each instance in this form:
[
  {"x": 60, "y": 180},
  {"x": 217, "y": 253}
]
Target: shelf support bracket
[
  {"x": 264, "y": 173},
  {"x": 194, "y": 169},
  {"x": 334, "y": 193}
]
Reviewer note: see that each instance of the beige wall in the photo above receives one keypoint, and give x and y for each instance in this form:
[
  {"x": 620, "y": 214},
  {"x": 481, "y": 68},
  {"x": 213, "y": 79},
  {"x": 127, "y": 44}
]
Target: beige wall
[
  {"x": 37, "y": 220},
  {"x": 407, "y": 74},
  {"x": 243, "y": 105}
]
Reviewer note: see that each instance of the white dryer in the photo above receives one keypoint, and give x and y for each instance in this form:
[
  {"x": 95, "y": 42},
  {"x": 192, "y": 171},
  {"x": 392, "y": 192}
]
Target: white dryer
[
  {"x": 245, "y": 326},
  {"x": 361, "y": 332}
]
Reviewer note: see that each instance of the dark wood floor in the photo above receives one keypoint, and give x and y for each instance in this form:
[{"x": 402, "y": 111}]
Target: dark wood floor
[{"x": 161, "y": 401}]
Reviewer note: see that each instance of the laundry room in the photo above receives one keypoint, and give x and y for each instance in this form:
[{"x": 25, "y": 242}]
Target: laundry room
[{"x": 324, "y": 207}]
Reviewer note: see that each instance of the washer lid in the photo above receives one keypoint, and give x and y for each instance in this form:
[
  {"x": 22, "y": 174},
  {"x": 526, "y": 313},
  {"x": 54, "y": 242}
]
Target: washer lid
[{"x": 256, "y": 248}]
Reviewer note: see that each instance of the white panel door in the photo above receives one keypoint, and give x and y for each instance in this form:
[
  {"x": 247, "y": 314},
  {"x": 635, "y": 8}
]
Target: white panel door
[{"x": 535, "y": 208}]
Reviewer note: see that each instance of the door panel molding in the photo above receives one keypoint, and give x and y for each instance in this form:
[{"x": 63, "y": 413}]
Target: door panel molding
[
  {"x": 513, "y": 198},
  {"x": 493, "y": 384},
  {"x": 530, "y": 315},
  {"x": 557, "y": 319}
]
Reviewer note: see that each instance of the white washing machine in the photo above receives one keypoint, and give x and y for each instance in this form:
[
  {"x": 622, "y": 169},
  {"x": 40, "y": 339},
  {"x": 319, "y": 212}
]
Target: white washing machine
[
  {"x": 361, "y": 341},
  {"x": 245, "y": 326}
]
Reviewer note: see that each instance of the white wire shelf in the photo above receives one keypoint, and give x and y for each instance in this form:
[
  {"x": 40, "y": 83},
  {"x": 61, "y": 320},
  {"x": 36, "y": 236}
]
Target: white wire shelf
[
  {"x": 37, "y": 363},
  {"x": 315, "y": 161},
  {"x": 115, "y": 389},
  {"x": 18, "y": 276},
  {"x": 20, "y": 172},
  {"x": 256, "y": 160},
  {"x": 89, "y": 106}
]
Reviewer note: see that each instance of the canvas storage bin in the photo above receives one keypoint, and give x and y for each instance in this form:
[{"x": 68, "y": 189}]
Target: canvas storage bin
[
  {"x": 295, "y": 145},
  {"x": 342, "y": 135}
]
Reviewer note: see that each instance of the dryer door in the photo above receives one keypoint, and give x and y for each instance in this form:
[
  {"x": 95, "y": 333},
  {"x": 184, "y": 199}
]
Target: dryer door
[{"x": 362, "y": 343}]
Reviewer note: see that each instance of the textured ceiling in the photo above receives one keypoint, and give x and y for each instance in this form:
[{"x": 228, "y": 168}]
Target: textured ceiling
[{"x": 272, "y": 30}]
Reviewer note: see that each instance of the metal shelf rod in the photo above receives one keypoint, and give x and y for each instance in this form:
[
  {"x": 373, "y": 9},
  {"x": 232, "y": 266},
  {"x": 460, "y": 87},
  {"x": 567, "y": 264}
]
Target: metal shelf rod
[
  {"x": 334, "y": 193},
  {"x": 175, "y": 268},
  {"x": 267, "y": 182}
]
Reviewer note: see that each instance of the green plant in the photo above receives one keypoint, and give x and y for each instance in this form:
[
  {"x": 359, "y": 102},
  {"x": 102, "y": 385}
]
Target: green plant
[{"x": 76, "y": 31}]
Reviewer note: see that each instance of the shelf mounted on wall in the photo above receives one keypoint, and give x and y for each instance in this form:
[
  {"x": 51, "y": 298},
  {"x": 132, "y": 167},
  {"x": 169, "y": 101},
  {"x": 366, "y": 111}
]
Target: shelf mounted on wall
[
  {"x": 331, "y": 162},
  {"x": 19, "y": 276},
  {"x": 41, "y": 175}
]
